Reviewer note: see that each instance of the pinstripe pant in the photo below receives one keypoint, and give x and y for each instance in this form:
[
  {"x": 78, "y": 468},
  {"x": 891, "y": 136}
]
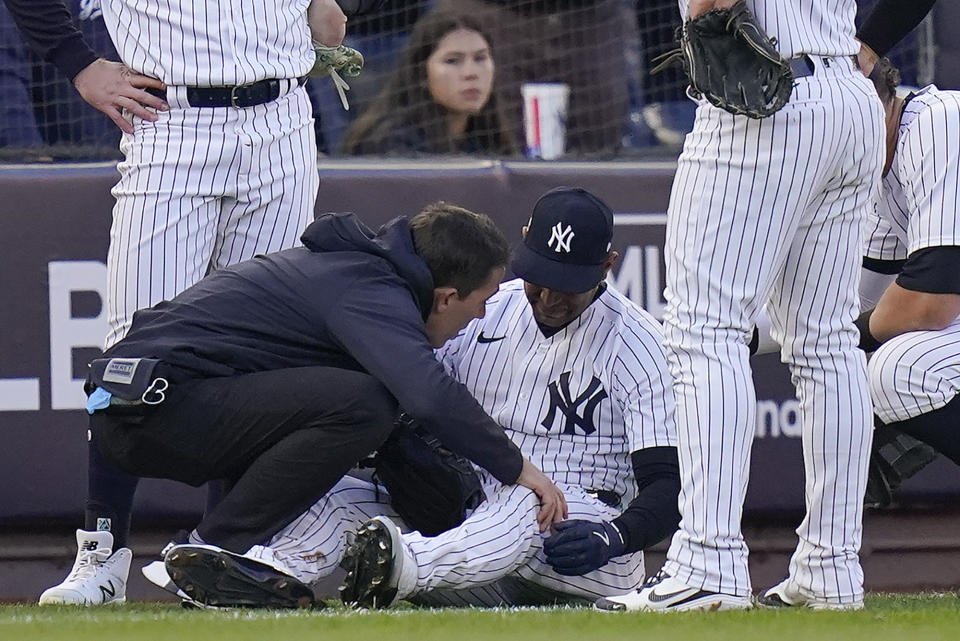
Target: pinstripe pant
[
  {"x": 203, "y": 188},
  {"x": 495, "y": 557},
  {"x": 772, "y": 210},
  {"x": 915, "y": 373}
]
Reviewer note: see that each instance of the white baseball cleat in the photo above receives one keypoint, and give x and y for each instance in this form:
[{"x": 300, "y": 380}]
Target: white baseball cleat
[
  {"x": 212, "y": 576},
  {"x": 663, "y": 593},
  {"x": 785, "y": 595},
  {"x": 98, "y": 577},
  {"x": 156, "y": 573}
]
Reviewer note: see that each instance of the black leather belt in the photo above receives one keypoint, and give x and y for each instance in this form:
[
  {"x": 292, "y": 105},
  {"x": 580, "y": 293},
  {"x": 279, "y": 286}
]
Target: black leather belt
[
  {"x": 256, "y": 93},
  {"x": 802, "y": 66},
  {"x": 607, "y": 497}
]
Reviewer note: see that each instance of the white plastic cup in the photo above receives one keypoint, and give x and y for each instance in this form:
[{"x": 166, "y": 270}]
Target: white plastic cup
[{"x": 545, "y": 118}]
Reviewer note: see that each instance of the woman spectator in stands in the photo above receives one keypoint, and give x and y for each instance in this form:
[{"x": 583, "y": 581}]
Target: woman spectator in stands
[{"x": 441, "y": 99}]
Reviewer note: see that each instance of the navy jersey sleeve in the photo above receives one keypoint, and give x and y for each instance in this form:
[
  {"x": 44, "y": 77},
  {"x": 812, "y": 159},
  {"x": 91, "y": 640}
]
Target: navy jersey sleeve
[
  {"x": 378, "y": 323},
  {"x": 934, "y": 270},
  {"x": 48, "y": 28}
]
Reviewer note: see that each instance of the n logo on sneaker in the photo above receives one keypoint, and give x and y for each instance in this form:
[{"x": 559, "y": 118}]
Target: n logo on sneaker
[{"x": 108, "y": 591}]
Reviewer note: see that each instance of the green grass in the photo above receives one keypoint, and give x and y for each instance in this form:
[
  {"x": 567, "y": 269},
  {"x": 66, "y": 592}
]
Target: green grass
[{"x": 886, "y": 617}]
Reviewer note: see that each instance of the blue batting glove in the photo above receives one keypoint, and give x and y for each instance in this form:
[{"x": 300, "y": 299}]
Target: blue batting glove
[{"x": 577, "y": 547}]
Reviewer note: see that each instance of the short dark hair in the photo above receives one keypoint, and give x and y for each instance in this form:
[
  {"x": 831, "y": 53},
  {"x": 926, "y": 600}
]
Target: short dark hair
[
  {"x": 460, "y": 247},
  {"x": 885, "y": 78}
]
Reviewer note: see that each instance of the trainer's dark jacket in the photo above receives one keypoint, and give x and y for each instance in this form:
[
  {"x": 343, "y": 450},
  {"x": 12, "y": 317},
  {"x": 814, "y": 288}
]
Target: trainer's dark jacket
[{"x": 348, "y": 299}]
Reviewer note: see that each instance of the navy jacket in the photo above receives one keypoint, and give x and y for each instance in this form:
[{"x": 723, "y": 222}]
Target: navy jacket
[{"x": 348, "y": 299}]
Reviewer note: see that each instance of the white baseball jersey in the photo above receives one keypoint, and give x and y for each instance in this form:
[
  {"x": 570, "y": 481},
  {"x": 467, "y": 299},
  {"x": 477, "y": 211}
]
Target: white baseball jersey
[
  {"x": 576, "y": 403},
  {"x": 822, "y": 27},
  {"x": 918, "y": 372},
  {"x": 771, "y": 211},
  {"x": 920, "y": 203},
  {"x": 198, "y": 43}
]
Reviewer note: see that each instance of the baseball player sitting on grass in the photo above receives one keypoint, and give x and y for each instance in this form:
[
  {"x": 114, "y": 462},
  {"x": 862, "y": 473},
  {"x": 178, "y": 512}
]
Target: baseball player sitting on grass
[{"x": 576, "y": 375}]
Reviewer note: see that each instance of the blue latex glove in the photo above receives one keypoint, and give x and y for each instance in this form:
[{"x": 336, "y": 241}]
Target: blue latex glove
[
  {"x": 577, "y": 547},
  {"x": 100, "y": 399}
]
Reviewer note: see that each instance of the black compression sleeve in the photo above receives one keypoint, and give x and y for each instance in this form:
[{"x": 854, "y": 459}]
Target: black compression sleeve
[
  {"x": 48, "y": 29},
  {"x": 890, "y": 21},
  {"x": 653, "y": 514}
]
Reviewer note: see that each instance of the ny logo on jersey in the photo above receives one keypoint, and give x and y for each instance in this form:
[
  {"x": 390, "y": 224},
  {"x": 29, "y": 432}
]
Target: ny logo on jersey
[
  {"x": 560, "y": 399},
  {"x": 561, "y": 237}
]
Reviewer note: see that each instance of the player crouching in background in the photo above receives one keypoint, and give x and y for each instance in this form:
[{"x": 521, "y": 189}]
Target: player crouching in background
[{"x": 910, "y": 290}]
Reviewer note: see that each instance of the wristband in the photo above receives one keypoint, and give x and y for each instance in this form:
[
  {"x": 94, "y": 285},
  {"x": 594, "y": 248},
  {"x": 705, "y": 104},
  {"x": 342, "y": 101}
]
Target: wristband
[{"x": 868, "y": 341}]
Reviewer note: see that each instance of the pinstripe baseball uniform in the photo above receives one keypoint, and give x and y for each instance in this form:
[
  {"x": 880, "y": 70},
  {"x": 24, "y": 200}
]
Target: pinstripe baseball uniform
[
  {"x": 918, "y": 372},
  {"x": 577, "y": 404},
  {"x": 772, "y": 210},
  {"x": 206, "y": 187}
]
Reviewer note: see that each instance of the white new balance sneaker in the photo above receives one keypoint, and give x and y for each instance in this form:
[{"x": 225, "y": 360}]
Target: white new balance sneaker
[
  {"x": 98, "y": 577},
  {"x": 663, "y": 593},
  {"x": 785, "y": 594}
]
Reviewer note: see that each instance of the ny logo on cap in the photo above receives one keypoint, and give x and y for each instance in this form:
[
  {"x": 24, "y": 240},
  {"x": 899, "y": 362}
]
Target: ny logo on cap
[{"x": 562, "y": 237}]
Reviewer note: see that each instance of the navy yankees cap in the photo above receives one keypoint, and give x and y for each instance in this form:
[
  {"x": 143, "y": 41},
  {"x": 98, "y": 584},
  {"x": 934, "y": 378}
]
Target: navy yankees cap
[{"x": 567, "y": 242}]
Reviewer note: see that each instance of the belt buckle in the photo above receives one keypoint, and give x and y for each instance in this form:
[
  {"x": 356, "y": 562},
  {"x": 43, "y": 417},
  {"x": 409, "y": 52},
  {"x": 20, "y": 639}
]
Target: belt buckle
[{"x": 233, "y": 96}]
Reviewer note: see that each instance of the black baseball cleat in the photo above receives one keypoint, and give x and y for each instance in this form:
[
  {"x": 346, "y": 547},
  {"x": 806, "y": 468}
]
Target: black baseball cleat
[
  {"x": 213, "y": 576},
  {"x": 372, "y": 563}
]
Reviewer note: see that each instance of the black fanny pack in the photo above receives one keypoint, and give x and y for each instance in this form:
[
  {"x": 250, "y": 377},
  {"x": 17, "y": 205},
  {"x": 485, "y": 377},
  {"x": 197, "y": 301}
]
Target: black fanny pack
[{"x": 131, "y": 381}]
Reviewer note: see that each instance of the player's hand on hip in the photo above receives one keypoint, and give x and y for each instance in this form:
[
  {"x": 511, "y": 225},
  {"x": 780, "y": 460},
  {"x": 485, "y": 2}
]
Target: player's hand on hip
[
  {"x": 553, "y": 505},
  {"x": 112, "y": 87},
  {"x": 328, "y": 23},
  {"x": 577, "y": 547}
]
